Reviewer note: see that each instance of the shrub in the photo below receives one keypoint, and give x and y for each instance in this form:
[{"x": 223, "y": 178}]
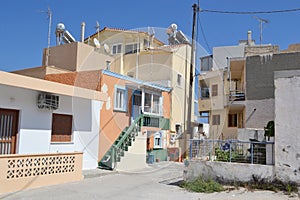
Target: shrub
[{"x": 203, "y": 186}]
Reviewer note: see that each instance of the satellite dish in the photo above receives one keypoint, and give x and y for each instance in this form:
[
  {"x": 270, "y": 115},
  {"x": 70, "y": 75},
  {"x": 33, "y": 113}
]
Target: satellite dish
[
  {"x": 174, "y": 27},
  {"x": 97, "y": 43},
  {"x": 106, "y": 48}
]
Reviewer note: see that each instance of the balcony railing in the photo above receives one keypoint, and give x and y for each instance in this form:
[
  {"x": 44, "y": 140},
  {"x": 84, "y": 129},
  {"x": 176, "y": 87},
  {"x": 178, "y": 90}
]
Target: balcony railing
[{"x": 237, "y": 95}]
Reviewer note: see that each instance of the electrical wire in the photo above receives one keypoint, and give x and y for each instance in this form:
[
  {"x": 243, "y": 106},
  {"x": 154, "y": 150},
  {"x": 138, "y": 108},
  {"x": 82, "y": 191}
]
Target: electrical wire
[
  {"x": 250, "y": 12},
  {"x": 204, "y": 36}
]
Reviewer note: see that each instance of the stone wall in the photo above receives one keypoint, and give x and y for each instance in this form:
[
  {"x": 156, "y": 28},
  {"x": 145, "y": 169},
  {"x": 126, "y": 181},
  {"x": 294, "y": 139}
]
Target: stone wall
[
  {"x": 227, "y": 172},
  {"x": 260, "y": 73}
]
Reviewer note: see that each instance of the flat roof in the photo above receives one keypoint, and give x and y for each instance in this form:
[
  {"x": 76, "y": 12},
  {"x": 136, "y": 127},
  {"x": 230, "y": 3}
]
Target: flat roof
[{"x": 26, "y": 82}]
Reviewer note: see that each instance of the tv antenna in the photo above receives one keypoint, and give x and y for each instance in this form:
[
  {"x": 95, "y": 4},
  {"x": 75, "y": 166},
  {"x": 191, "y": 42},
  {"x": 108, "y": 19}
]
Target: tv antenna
[
  {"x": 97, "y": 43},
  {"x": 261, "y": 21},
  {"x": 97, "y": 28},
  {"x": 106, "y": 48},
  {"x": 49, "y": 16}
]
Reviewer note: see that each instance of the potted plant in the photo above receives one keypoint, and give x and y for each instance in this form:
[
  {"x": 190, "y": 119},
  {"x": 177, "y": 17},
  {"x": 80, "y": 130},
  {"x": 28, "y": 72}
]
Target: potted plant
[{"x": 270, "y": 130}]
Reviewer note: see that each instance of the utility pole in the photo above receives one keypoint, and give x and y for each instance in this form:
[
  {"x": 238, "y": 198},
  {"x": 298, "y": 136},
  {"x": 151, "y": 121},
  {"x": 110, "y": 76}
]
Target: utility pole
[{"x": 190, "y": 102}]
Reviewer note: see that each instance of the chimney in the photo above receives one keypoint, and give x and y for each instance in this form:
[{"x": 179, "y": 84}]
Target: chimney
[
  {"x": 108, "y": 62},
  {"x": 82, "y": 31},
  {"x": 249, "y": 38}
]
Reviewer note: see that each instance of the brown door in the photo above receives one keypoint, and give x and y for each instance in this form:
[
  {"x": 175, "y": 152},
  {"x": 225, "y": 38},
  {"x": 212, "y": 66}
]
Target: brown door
[{"x": 8, "y": 130}]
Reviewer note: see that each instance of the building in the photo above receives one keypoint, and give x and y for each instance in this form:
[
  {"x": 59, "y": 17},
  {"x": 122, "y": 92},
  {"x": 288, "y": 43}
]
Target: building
[
  {"x": 128, "y": 99},
  {"x": 136, "y": 54},
  {"x": 134, "y": 112},
  {"x": 141, "y": 55},
  {"x": 238, "y": 97},
  {"x": 42, "y": 117}
]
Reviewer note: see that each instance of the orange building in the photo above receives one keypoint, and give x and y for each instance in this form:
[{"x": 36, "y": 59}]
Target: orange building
[{"x": 135, "y": 118}]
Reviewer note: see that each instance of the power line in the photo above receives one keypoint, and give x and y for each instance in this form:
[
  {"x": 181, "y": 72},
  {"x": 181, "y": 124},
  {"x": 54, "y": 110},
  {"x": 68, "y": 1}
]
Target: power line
[
  {"x": 250, "y": 12},
  {"x": 204, "y": 36}
]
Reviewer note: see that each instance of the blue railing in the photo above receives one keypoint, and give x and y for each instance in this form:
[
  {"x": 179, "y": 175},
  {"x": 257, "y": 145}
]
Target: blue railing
[{"x": 253, "y": 152}]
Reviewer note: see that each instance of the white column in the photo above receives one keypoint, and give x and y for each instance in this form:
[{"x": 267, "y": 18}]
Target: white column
[{"x": 143, "y": 99}]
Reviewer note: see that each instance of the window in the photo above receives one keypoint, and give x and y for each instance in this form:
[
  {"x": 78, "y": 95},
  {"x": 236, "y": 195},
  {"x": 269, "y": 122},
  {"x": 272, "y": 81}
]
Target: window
[
  {"x": 61, "y": 128},
  {"x": 148, "y": 99},
  {"x": 146, "y": 44},
  {"x": 206, "y": 63},
  {"x": 131, "y": 48},
  {"x": 204, "y": 89},
  {"x": 216, "y": 120},
  {"x": 204, "y": 93},
  {"x": 214, "y": 89},
  {"x": 120, "y": 99},
  {"x": 179, "y": 80},
  {"x": 178, "y": 130},
  {"x": 153, "y": 103},
  {"x": 232, "y": 120},
  {"x": 156, "y": 104},
  {"x": 116, "y": 49},
  {"x": 157, "y": 140}
]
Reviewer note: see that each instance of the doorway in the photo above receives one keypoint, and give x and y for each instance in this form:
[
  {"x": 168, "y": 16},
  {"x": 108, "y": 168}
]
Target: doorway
[{"x": 8, "y": 131}]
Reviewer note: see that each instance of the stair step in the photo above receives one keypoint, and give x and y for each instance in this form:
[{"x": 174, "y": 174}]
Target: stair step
[{"x": 118, "y": 159}]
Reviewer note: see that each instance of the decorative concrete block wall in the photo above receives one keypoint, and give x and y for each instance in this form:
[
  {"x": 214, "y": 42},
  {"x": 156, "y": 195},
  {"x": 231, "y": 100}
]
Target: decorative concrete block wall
[{"x": 19, "y": 172}]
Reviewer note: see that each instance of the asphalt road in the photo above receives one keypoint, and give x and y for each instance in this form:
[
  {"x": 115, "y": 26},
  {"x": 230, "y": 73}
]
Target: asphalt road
[{"x": 150, "y": 183}]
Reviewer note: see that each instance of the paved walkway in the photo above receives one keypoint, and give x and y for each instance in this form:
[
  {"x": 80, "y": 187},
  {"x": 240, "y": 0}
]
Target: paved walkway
[{"x": 149, "y": 183}]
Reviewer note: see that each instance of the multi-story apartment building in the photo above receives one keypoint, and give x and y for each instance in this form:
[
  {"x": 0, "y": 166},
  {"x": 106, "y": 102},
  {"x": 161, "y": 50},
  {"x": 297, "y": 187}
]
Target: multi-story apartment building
[
  {"x": 237, "y": 90},
  {"x": 141, "y": 55}
]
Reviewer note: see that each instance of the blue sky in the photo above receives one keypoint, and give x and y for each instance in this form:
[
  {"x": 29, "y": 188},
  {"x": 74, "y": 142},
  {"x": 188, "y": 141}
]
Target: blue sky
[{"x": 24, "y": 29}]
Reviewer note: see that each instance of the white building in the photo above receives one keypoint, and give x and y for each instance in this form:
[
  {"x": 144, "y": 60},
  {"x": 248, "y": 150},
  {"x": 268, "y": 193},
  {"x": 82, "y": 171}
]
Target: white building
[{"x": 65, "y": 119}]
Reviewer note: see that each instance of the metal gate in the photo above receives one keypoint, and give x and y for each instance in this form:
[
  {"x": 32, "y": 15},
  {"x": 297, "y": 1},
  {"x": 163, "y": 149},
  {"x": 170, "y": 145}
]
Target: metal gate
[{"x": 8, "y": 130}]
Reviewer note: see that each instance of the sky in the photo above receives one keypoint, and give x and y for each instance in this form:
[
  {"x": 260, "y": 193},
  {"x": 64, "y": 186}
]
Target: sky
[{"x": 24, "y": 28}]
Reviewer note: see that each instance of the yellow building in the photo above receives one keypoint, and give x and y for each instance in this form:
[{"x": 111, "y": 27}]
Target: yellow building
[{"x": 140, "y": 55}]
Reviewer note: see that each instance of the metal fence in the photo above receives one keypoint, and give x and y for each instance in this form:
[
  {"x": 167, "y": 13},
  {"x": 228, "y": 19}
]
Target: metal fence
[{"x": 252, "y": 151}]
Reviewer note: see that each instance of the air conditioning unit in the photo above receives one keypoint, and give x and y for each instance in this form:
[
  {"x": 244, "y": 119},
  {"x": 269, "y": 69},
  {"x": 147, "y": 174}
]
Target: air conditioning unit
[{"x": 47, "y": 101}]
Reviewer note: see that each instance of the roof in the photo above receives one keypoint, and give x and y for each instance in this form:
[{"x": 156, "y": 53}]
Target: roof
[
  {"x": 26, "y": 82},
  {"x": 121, "y": 30},
  {"x": 139, "y": 82}
]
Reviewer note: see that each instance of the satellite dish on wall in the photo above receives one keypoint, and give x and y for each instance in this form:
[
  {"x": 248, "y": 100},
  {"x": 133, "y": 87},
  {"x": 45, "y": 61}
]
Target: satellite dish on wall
[
  {"x": 97, "y": 43},
  {"x": 106, "y": 48}
]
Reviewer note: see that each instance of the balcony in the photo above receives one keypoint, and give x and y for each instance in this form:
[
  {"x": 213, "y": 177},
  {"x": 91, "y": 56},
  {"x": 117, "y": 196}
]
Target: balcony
[
  {"x": 237, "y": 95},
  {"x": 204, "y": 105}
]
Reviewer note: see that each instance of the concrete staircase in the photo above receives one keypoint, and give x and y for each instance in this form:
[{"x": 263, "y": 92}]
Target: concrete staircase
[
  {"x": 135, "y": 157},
  {"x": 126, "y": 143}
]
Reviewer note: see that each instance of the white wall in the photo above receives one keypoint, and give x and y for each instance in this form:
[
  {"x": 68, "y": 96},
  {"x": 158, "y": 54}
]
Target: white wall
[
  {"x": 287, "y": 126},
  {"x": 227, "y": 172},
  {"x": 221, "y": 53},
  {"x": 35, "y": 124}
]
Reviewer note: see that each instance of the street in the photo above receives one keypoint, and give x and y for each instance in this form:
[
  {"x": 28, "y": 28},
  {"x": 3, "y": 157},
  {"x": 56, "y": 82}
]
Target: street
[{"x": 150, "y": 183}]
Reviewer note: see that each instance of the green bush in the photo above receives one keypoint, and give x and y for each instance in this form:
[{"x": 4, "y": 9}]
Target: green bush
[{"x": 203, "y": 186}]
